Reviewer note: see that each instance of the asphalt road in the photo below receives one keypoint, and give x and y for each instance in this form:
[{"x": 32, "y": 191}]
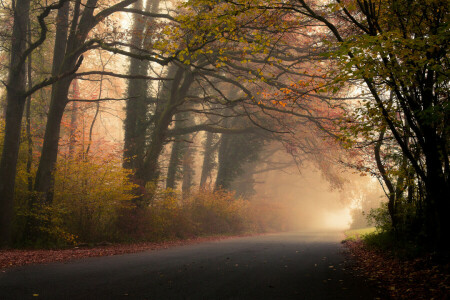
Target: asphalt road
[{"x": 306, "y": 265}]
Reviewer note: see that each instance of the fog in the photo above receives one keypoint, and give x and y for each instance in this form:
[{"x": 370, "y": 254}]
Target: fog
[{"x": 308, "y": 200}]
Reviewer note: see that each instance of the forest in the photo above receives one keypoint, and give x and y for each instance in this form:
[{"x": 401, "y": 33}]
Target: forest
[{"x": 133, "y": 120}]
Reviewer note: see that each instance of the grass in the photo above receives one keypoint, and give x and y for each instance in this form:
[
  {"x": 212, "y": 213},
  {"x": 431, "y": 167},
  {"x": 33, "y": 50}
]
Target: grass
[
  {"x": 385, "y": 241},
  {"x": 353, "y": 234}
]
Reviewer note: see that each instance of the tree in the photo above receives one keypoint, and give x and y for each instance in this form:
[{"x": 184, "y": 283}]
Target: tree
[
  {"x": 209, "y": 147},
  {"x": 75, "y": 40},
  {"x": 136, "y": 110},
  {"x": 400, "y": 46},
  {"x": 405, "y": 51},
  {"x": 15, "y": 104}
]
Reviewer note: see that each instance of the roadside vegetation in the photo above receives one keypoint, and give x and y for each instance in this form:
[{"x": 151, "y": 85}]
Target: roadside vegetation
[
  {"x": 396, "y": 270},
  {"x": 355, "y": 234},
  {"x": 398, "y": 267}
]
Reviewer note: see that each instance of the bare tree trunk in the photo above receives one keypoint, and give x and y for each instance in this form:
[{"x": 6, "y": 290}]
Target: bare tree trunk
[
  {"x": 223, "y": 179},
  {"x": 79, "y": 31},
  {"x": 150, "y": 168},
  {"x": 135, "y": 124},
  {"x": 62, "y": 29},
  {"x": 178, "y": 151},
  {"x": 387, "y": 181},
  {"x": 28, "y": 118},
  {"x": 15, "y": 104},
  {"x": 208, "y": 159},
  {"x": 188, "y": 170},
  {"x": 175, "y": 160},
  {"x": 45, "y": 174},
  {"x": 73, "y": 119}
]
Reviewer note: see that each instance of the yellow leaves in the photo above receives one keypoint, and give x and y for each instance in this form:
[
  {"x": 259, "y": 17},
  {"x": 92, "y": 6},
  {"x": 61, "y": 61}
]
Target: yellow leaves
[
  {"x": 286, "y": 91},
  {"x": 279, "y": 102},
  {"x": 220, "y": 62}
]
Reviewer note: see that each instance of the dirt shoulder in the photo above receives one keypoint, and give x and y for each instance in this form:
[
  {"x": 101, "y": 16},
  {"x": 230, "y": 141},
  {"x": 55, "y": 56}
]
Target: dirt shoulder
[
  {"x": 420, "y": 278},
  {"x": 14, "y": 257}
]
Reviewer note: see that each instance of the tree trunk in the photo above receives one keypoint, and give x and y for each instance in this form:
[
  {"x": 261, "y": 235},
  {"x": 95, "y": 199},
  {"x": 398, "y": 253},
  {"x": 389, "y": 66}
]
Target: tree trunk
[
  {"x": 188, "y": 170},
  {"x": 135, "y": 124},
  {"x": 149, "y": 172},
  {"x": 179, "y": 148},
  {"x": 44, "y": 176},
  {"x": 15, "y": 104},
  {"x": 174, "y": 161},
  {"x": 224, "y": 169},
  {"x": 436, "y": 193},
  {"x": 45, "y": 173},
  {"x": 387, "y": 181},
  {"x": 208, "y": 159},
  {"x": 73, "y": 120},
  {"x": 62, "y": 29},
  {"x": 60, "y": 90},
  {"x": 28, "y": 118}
]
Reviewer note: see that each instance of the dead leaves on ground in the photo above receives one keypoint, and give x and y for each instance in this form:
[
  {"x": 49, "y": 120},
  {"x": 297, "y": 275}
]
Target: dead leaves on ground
[
  {"x": 13, "y": 258},
  {"x": 420, "y": 278}
]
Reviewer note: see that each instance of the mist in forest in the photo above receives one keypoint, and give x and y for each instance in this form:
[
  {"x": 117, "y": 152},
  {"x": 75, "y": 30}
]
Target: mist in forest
[
  {"x": 308, "y": 201},
  {"x": 301, "y": 194}
]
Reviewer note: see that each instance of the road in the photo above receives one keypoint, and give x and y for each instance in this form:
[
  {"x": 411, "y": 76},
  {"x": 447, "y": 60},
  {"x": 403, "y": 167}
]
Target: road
[{"x": 305, "y": 265}]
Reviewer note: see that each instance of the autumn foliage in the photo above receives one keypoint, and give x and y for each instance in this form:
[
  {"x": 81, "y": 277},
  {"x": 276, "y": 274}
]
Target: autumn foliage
[
  {"x": 418, "y": 278},
  {"x": 94, "y": 202},
  {"x": 203, "y": 213}
]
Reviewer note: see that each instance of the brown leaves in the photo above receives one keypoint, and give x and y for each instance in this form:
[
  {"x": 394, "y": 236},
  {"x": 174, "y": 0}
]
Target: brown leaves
[
  {"x": 419, "y": 278},
  {"x": 12, "y": 258}
]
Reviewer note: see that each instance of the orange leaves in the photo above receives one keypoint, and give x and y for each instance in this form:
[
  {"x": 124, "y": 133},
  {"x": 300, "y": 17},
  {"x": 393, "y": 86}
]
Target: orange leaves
[
  {"x": 410, "y": 279},
  {"x": 278, "y": 102},
  {"x": 286, "y": 91},
  {"x": 13, "y": 258}
]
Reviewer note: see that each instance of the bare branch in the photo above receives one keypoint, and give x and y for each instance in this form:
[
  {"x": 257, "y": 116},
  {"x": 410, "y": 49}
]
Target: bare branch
[
  {"x": 106, "y": 73},
  {"x": 51, "y": 80}
]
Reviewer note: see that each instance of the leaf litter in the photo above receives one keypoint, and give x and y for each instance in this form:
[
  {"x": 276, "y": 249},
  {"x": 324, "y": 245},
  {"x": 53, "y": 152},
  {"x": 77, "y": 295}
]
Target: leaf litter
[{"x": 419, "y": 278}]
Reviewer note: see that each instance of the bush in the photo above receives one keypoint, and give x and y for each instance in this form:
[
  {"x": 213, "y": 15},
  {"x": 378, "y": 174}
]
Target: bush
[
  {"x": 92, "y": 191},
  {"x": 205, "y": 212},
  {"x": 405, "y": 240},
  {"x": 88, "y": 194},
  {"x": 380, "y": 218},
  {"x": 42, "y": 226}
]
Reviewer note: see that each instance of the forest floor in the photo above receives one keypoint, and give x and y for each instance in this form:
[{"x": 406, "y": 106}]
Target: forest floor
[
  {"x": 419, "y": 278},
  {"x": 14, "y": 257}
]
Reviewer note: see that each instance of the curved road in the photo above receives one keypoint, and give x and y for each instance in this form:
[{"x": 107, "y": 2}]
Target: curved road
[{"x": 305, "y": 265}]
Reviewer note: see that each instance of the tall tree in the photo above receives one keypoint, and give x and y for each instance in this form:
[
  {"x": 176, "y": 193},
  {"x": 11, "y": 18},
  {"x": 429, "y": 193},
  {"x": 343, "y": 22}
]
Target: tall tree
[
  {"x": 175, "y": 156},
  {"x": 15, "y": 103},
  {"x": 149, "y": 172},
  {"x": 83, "y": 21},
  {"x": 235, "y": 150},
  {"x": 137, "y": 108},
  {"x": 188, "y": 168}
]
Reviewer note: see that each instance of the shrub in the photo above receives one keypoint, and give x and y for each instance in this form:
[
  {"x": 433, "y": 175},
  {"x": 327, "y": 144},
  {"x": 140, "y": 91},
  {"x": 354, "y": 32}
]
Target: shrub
[
  {"x": 88, "y": 194},
  {"x": 92, "y": 191},
  {"x": 169, "y": 216},
  {"x": 405, "y": 241}
]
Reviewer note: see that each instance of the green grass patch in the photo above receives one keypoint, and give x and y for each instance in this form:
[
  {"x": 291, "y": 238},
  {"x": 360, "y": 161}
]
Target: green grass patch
[
  {"x": 399, "y": 246},
  {"x": 354, "y": 234}
]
